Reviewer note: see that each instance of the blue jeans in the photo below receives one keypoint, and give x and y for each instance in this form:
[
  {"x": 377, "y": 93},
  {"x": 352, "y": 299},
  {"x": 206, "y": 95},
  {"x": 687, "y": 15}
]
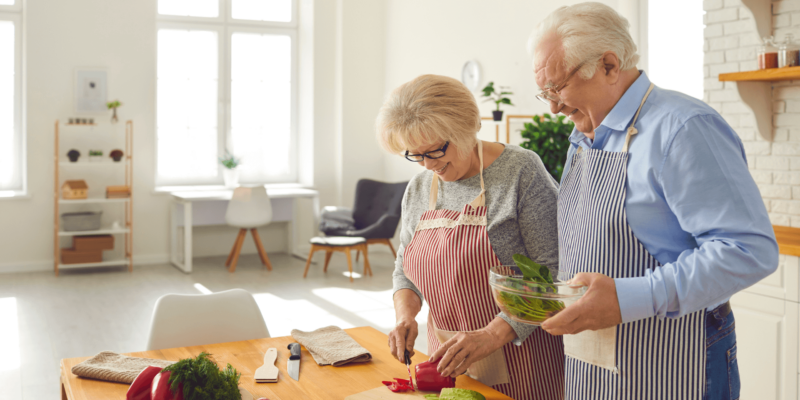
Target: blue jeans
[{"x": 722, "y": 369}]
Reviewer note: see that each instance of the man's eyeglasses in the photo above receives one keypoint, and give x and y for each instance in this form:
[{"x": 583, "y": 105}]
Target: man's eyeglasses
[
  {"x": 550, "y": 95},
  {"x": 433, "y": 154}
]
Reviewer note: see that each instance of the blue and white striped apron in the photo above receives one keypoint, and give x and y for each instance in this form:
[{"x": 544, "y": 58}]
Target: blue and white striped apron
[{"x": 653, "y": 358}]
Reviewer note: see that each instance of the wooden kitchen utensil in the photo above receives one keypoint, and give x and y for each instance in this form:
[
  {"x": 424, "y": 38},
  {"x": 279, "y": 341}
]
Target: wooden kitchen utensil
[
  {"x": 383, "y": 393},
  {"x": 268, "y": 373}
]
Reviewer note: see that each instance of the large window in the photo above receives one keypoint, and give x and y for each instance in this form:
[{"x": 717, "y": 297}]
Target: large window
[
  {"x": 12, "y": 141},
  {"x": 226, "y": 82},
  {"x": 675, "y": 53}
]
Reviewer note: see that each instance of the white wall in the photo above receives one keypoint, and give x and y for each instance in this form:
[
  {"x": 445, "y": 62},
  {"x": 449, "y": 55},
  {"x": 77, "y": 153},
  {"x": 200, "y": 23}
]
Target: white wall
[{"x": 437, "y": 37}]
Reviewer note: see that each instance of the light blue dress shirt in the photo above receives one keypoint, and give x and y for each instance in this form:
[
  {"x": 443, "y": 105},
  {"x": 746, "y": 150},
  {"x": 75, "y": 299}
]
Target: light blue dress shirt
[{"x": 691, "y": 201}]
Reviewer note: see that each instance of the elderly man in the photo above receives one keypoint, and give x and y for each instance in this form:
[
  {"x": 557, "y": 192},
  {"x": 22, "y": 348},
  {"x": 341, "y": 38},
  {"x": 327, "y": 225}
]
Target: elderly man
[{"x": 657, "y": 215}]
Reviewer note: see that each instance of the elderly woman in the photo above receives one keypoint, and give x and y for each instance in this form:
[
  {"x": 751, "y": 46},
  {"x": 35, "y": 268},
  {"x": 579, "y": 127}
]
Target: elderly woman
[{"x": 473, "y": 206}]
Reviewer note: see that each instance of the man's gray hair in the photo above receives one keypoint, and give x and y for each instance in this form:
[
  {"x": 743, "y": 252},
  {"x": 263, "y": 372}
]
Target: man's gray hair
[{"x": 586, "y": 31}]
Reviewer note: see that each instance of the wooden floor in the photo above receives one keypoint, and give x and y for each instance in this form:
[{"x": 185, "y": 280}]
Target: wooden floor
[{"x": 44, "y": 319}]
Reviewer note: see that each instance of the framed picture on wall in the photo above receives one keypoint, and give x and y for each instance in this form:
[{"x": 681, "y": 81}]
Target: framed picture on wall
[{"x": 90, "y": 90}]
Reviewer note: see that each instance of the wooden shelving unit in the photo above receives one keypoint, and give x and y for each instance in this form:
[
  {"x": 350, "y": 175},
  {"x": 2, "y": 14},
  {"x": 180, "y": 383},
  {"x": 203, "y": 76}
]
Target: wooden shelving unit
[
  {"x": 126, "y": 229},
  {"x": 763, "y": 75},
  {"x": 788, "y": 240}
]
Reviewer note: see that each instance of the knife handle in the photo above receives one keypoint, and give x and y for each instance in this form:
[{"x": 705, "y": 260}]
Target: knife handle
[
  {"x": 407, "y": 357},
  {"x": 294, "y": 348}
]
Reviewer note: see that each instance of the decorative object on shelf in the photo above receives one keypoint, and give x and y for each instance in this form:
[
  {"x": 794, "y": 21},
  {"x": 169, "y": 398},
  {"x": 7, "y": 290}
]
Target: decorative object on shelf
[
  {"x": 74, "y": 190},
  {"x": 788, "y": 54},
  {"x": 72, "y": 256},
  {"x": 116, "y": 155},
  {"x": 73, "y": 155},
  {"x": 549, "y": 138},
  {"x": 113, "y": 105},
  {"x": 95, "y": 155},
  {"x": 497, "y": 97},
  {"x": 471, "y": 75},
  {"x": 118, "y": 192},
  {"x": 81, "y": 221},
  {"x": 90, "y": 91},
  {"x": 93, "y": 242},
  {"x": 766, "y": 53},
  {"x": 230, "y": 174}
]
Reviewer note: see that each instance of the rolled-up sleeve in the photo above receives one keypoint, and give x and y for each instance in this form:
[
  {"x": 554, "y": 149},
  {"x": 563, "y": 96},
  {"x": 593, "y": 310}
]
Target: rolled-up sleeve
[{"x": 707, "y": 186}]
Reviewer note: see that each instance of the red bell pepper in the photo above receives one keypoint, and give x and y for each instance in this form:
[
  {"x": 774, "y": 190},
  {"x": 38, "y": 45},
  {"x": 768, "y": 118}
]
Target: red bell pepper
[
  {"x": 140, "y": 388},
  {"x": 429, "y": 379},
  {"x": 160, "y": 388},
  {"x": 401, "y": 385}
]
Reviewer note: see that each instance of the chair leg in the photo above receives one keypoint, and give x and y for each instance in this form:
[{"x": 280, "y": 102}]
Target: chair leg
[
  {"x": 310, "y": 253},
  {"x": 233, "y": 249},
  {"x": 328, "y": 255},
  {"x": 261, "y": 252},
  {"x": 367, "y": 267},
  {"x": 389, "y": 242},
  {"x": 358, "y": 253},
  {"x": 243, "y": 233},
  {"x": 349, "y": 262}
]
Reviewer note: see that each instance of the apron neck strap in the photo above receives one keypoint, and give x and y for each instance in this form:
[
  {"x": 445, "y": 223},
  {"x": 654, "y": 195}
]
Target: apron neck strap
[
  {"x": 631, "y": 129},
  {"x": 479, "y": 201}
]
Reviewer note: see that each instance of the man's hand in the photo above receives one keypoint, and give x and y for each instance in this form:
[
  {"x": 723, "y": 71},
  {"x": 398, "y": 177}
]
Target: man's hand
[
  {"x": 597, "y": 309},
  {"x": 465, "y": 348},
  {"x": 402, "y": 338}
]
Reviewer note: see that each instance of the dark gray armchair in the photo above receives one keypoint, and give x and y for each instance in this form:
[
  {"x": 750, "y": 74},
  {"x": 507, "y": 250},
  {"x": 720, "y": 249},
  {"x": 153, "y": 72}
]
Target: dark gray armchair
[{"x": 376, "y": 212}]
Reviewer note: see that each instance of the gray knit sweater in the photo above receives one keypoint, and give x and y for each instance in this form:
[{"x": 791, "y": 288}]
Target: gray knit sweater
[{"x": 521, "y": 200}]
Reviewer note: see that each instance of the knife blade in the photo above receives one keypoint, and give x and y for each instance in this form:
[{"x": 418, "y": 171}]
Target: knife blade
[
  {"x": 408, "y": 367},
  {"x": 293, "y": 365}
]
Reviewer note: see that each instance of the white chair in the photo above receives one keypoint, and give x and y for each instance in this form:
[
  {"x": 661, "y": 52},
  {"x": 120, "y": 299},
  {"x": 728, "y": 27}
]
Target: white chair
[
  {"x": 181, "y": 320},
  {"x": 249, "y": 208}
]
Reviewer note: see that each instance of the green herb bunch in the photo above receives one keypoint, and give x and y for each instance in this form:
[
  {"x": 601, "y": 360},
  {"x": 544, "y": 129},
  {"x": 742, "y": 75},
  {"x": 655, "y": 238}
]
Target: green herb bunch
[
  {"x": 203, "y": 380},
  {"x": 95, "y": 152},
  {"x": 229, "y": 161},
  {"x": 549, "y": 138},
  {"x": 531, "y": 309}
]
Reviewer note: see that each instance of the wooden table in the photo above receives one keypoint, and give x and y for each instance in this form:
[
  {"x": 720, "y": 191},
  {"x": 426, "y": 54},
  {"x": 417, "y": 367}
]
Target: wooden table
[{"x": 315, "y": 382}]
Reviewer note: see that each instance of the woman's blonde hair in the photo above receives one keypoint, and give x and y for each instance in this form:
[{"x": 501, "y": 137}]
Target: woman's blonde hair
[{"x": 427, "y": 110}]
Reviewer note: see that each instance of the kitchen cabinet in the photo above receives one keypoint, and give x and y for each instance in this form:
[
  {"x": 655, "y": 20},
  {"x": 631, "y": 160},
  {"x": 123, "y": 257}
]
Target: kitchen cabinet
[{"x": 768, "y": 344}]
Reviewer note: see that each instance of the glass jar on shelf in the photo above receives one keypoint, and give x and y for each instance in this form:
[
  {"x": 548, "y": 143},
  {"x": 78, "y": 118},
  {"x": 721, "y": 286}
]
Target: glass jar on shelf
[
  {"x": 767, "y": 54},
  {"x": 788, "y": 53}
]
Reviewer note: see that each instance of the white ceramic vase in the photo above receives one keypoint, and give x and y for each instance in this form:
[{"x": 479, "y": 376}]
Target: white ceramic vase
[{"x": 231, "y": 177}]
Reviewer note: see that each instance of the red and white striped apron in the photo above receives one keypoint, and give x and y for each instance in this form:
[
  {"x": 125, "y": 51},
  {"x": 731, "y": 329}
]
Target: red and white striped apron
[{"x": 449, "y": 259}]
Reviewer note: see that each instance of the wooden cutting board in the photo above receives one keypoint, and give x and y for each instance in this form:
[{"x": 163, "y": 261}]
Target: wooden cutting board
[{"x": 383, "y": 393}]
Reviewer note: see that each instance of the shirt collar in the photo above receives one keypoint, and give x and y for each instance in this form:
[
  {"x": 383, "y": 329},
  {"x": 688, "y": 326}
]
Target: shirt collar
[{"x": 622, "y": 113}]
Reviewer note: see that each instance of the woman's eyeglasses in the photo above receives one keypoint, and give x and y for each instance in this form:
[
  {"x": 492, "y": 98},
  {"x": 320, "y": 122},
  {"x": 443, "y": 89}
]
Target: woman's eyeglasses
[{"x": 434, "y": 154}]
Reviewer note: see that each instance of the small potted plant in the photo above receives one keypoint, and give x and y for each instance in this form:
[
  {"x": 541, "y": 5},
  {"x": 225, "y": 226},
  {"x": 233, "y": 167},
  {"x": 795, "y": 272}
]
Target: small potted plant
[
  {"x": 113, "y": 105},
  {"x": 116, "y": 155},
  {"x": 95, "y": 155},
  {"x": 497, "y": 97},
  {"x": 230, "y": 173},
  {"x": 73, "y": 155}
]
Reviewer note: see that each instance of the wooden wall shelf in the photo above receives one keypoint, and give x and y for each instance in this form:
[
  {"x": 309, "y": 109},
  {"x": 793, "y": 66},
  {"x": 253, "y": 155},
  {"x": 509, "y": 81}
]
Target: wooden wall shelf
[
  {"x": 763, "y": 75},
  {"x": 788, "y": 240}
]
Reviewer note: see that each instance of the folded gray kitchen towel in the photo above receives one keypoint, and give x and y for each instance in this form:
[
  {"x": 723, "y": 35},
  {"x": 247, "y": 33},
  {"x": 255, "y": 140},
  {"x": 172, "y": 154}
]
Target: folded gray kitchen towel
[
  {"x": 332, "y": 346},
  {"x": 110, "y": 366}
]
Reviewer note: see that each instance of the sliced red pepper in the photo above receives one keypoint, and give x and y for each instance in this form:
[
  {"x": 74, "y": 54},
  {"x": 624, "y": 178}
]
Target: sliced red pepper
[{"x": 401, "y": 385}]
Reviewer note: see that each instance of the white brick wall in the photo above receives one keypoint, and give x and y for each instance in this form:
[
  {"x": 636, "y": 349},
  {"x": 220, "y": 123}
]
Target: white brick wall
[{"x": 730, "y": 45}]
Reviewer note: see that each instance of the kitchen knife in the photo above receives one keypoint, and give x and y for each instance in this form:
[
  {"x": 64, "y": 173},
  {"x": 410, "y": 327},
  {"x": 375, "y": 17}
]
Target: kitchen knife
[
  {"x": 408, "y": 367},
  {"x": 293, "y": 365}
]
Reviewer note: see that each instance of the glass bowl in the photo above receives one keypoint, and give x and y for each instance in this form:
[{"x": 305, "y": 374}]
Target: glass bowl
[{"x": 530, "y": 302}]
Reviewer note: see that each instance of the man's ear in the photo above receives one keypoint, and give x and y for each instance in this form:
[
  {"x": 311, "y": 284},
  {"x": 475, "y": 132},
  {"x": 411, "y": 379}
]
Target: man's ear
[{"x": 611, "y": 66}]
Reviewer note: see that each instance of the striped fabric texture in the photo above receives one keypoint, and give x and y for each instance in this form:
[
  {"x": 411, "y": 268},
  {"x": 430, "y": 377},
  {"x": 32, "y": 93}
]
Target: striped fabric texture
[
  {"x": 450, "y": 265},
  {"x": 655, "y": 358}
]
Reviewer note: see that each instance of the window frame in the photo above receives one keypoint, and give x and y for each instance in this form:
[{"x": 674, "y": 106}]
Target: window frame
[
  {"x": 13, "y": 13},
  {"x": 226, "y": 26}
]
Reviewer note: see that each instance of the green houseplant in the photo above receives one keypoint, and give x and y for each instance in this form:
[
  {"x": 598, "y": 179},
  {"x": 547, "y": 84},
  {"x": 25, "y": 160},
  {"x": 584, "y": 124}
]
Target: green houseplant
[
  {"x": 230, "y": 174},
  {"x": 549, "y": 138},
  {"x": 498, "y": 97},
  {"x": 113, "y": 105}
]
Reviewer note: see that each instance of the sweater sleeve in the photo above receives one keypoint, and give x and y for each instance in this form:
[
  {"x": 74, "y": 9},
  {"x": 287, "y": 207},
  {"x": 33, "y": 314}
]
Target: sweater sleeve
[{"x": 407, "y": 225}]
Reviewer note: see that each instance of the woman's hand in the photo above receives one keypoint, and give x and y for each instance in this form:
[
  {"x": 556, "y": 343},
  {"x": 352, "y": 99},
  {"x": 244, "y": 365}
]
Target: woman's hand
[
  {"x": 406, "y": 307},
  {"x": 466, "y": 348},
  {"x": 402, "y": 338}
]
